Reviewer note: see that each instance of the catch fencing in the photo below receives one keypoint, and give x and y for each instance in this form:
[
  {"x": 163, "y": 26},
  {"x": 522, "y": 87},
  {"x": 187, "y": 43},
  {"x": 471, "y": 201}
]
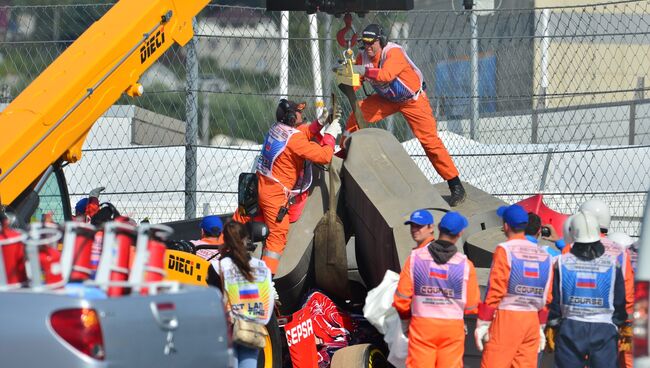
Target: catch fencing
[{"x": 528, "y": 100}]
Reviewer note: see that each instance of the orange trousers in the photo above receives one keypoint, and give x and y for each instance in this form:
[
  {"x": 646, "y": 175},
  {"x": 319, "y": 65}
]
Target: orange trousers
[
  {"x": 419, "y": 116},
  {"x": 513, "y": 342},
  {"x": 435, "y": 343},
  {"x": 625, "y": 359},
  {"x": 269, "y": 204}
]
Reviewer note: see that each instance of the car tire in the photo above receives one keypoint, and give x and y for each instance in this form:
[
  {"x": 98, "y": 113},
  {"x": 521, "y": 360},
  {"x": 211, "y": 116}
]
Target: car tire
[
  {"x": 361, "y": 356},
  {"x": 271, "y": 355}
]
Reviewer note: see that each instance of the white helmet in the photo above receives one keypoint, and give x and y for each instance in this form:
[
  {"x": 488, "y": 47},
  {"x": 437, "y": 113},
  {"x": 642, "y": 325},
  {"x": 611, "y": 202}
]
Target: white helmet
[
  {"x": 568, "y": 238},
  {"x": 621, "y": 239},
  {"x": 583, "y": 227},
  {"x": 600, "y": 209}
]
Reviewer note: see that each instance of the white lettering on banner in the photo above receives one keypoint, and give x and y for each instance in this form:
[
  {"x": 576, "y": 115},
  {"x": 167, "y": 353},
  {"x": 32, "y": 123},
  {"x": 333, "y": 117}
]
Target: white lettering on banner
[
  {"x": 584, "y": 300},
  {"x": 523, "y": 289},
  {"x": 432, "y": 290},
  {"x": 299, "y": 332}
]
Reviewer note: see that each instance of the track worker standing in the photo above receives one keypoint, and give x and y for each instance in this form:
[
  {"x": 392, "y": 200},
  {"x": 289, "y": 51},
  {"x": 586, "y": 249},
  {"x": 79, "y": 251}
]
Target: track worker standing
[
  {"x": 436, "y": 288},
  {"x": 600, "y": 210},
  {"x": 510, "y": 321},
  {"x": 588, "y": 300},
  {"x": 421, "y": 223},
  {"x": 282, "y": 164},
  {"x": 399, "y": 86},
  {"x": 211, "y": 234},
  {"x": 246, "y": 286}
]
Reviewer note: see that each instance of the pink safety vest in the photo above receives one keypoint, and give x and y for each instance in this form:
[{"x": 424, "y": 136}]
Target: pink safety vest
[
  {"x": 439, "y": 290},
  {"x": 616, "y": 251},
  {"x": 275, "y": 143},
  {"x": 205, "y": 253},
  {"x": 530, "y": 276}
]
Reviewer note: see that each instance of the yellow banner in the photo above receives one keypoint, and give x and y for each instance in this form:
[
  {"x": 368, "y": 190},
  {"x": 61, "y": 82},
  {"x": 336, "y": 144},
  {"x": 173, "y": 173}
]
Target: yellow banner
[{"x": 186, "y": 267}]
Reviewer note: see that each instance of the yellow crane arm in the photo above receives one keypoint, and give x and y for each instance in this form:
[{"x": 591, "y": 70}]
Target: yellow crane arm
[{"x": 51, "y": 118}]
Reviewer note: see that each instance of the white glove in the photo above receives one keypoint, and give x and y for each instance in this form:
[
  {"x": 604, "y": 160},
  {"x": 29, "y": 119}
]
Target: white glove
[
  {"x": 481, "y": 333},
  {"x": 542, "y": 338},
  {"x": 95, "y": 192},
  {"x": 405, "y": 326},
  {"x": 322, "y": 119},
  {"x": 334, "y": 129},
  {"x": 359, "y": 69},
  {"x": 328, "y": 116}
]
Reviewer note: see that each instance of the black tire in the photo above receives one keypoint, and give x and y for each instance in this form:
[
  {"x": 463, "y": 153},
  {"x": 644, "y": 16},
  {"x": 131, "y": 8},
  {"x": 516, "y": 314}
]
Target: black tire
[
  {"x": 359, "y": 356},
  {"x": 271, "y": 355}
]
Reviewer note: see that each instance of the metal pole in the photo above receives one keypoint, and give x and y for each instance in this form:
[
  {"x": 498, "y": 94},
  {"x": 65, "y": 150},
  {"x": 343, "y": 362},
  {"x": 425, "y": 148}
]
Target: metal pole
[
  {"x": 284, "y": 54},
  {"x": 474, "y": 106},
  {"x": 638, "y": 95},
  {"x": 546, "y": 42},
  {"x": 329, "y": 54},
  {"x": 191, "y": 129},
  {"x": 315, "y": 62},
  {"x": 205, "y": 120}
]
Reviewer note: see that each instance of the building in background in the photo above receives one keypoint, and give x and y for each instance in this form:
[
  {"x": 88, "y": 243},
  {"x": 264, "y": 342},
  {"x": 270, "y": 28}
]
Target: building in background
[
  {"x": 592, "y": 54},
  {"x": 238, "y": 39}
]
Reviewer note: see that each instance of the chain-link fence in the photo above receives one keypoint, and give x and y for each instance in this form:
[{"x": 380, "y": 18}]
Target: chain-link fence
[{"x": 544, "y": 100}]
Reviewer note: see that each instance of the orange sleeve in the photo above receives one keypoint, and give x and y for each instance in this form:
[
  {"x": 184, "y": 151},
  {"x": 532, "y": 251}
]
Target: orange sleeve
[
  {"x": 311, "y": 130},
  {"x": 308, "y": 150},
  {"x": 404, "y": 292},
  {"x": 566, "y": 249},
  {"x": 394, "y": 64},
  {"x": 473, "y": 293},
  {"x": 628, "y": 276},
  {"x": 499, "y": 276}
]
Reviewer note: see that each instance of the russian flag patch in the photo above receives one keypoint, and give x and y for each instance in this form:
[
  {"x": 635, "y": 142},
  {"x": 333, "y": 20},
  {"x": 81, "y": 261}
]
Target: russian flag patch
[
  {"x": 586, "y": 280},
  {"x": 248, "y": 292},
  {"x": 531, "y": 270},
  {"x": 438, "y": 273}
]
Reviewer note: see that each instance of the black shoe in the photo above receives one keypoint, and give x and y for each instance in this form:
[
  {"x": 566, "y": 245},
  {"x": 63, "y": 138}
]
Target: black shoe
[{"x": 457, "y": 195}]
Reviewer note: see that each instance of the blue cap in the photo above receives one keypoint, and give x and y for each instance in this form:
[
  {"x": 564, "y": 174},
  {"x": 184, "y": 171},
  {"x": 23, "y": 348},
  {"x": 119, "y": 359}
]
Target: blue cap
[
  {"x": 80, "y": 207},
  {"x": 453, "y": 223},
  {"x": 515, "y": 216},
  {"x": 209, "y": 223},
  {"x": 420, "y": 217}
]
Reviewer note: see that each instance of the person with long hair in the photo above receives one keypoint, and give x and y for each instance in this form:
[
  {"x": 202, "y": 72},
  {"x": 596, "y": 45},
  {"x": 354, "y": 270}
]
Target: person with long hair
[{"x": 247, "y": 287}]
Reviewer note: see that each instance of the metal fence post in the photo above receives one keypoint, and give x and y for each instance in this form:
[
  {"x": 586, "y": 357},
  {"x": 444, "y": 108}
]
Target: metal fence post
[
  {"x": 638, "y": 95},
  {"x": 474, "y": 56},
  {"x": 191, "y": 128},
  {"x": 541, "y": 103}
]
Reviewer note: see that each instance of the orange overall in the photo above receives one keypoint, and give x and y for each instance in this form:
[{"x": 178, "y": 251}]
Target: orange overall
[
  {"x": 416, "y": 111},
  {"x": 436, "y": 297},
  {"x": 514, "y": 334},
  {"x": 274, "y": 191},
  {"x": 623, "y": 257}
]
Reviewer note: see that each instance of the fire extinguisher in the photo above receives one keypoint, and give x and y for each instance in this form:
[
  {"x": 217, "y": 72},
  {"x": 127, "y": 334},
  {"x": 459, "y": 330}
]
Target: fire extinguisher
[
  {"x": 84, "y": 235},
  {"x": 13, "y": 253},
  {"x": 125, "y": 240},
  {"x": 155, "y": 268},
  {"x": 47, "y": 237}
]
